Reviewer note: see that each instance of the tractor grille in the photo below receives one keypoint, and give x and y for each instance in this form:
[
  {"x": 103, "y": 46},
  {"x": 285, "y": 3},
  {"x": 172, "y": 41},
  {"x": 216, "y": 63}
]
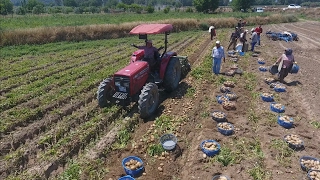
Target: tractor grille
[
  {"x": 122, "y": 84},
  {"x": 120, "y": 95}
]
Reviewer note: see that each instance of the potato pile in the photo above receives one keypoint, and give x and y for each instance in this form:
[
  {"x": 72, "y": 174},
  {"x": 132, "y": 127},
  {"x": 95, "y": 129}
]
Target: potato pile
[
  {"x": 229, "y": 84},
  {"x": 267, "y": 95},
  {"x": 218, "y": 115},
  {"x": 231, "y": 96},
  {"x": 230, "y": 72},
  {"x": 222, "y": 178},
  {"x": 285, "y": 118},
  {"x": 269, "y": 80},
  {"x": 262, "y": 67},
  {"x": 225, "y": 89},
  {"x": 277, "y": 106},
  {"x": 133, "y": 164},
  {"x": 225, "y": 126},
  {"x": 261, "y": 60},
  {"x": 311, "y": 164},
  {"x": 293, "y": 139},
  {"x": 315, "y": 175},
  {"x": 228, "y": 105},
  {"x": 279, "y": 86},
  {"x": 223, "y": 98},
  {"x": 211, "y": 146}
]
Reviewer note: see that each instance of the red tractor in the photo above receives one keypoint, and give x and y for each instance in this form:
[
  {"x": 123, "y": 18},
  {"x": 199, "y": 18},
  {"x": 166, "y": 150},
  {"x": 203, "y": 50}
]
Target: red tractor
[{"x": 136, "y": 82}]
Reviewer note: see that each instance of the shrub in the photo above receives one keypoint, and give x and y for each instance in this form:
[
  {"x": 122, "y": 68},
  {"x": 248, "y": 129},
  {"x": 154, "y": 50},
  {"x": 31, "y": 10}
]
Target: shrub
[
  {"x": 105, "y": 9},
  {"x": 78, "y": 10},
  {"x": 189, "y": 10},
  {"x": 204, "y": 26},
  {"x": 21, "y": 11},
  {"x": 150, "y": 9},
  {"x": 166, "y": 10}
]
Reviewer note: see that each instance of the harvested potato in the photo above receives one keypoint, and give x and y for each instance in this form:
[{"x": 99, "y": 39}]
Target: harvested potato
[
  {"x": 222, "y": 178},
  {"x": 223, "y": 98},
  {"x": 269, "y": 80},
  {"x": 315, "y": 175},
  {"x": 229, "y": 84},
  {"x": 230, "y": 72},
  {"x": 225, "y": 89},
  {"x": 293, "y": 139},
  {"x": 231, "y": 96},
  {"x": 228, "y": 105},
  {"x": 133, "y": 164},
  {"x": 272, "y": 85},
  {"x": 210, "y": 146},
  {"x": 225, "y": 126},
  {"x": 311, "y": 164},
  {"x": 277, "y": 105},
  {"x": 262, "y": 67},
  {"x": 268, "y": 95},
  {"x": 279, "y": 86},
  {"x": 218, "y": 115},
  {"x": 285, "y": 118}
]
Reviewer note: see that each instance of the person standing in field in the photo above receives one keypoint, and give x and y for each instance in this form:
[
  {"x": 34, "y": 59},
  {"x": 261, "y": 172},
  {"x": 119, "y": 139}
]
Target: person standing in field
[
  {"x": 243, "y": 39},
  {"x": 217, "y": 55},
  {"x": 254, "y": 39},
  {"x": 233, "y": 38},
  {"x": 212, "y": 31},
  {"x": 259, "y": 32}
]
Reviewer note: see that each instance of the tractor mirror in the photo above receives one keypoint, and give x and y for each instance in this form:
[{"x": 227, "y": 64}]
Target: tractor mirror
[{"x": 142, "y": 36}]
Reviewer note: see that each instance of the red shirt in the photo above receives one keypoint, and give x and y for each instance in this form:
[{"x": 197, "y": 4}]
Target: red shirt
[{"x": 258, "y": 30}]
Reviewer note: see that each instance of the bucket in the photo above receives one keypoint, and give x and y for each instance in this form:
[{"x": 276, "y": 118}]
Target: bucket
[
  {"x": 126, "y": 178},
  {"x": 273, "y": 69},
  {"x": 241, "y": 53},
  {"x": 168, "y": 141},
  {"x": 132, "y": 172},
  {"x": 295, "y": 68}
]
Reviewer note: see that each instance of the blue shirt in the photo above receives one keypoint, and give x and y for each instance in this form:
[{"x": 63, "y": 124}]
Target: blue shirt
[{"x": 218, "y": 52}]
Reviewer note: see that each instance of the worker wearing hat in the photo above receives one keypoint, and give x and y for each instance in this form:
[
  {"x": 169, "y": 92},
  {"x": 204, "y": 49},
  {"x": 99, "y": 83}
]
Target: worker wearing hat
[
  {"x": 285, "y": 63},
  {"x": 151, "y": 54},
  {"x": 217, "y": 55}
]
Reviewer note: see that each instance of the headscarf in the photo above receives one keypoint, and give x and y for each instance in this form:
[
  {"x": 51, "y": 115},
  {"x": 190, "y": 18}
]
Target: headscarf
[{"x": 288, "y": 51}]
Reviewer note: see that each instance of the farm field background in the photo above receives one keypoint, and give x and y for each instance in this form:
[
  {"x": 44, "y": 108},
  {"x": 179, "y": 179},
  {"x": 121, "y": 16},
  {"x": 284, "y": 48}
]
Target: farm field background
[{"x": 51, "y": 126}]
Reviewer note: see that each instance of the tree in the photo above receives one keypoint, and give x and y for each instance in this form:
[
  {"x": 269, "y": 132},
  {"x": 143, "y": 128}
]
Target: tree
[
  {"x": 33, "y": 3},
  {"x": 129, "y": 2},
  {"x": 6, "y": 7},
  {"x": 241, "y": 5},
  {"x": 206, "y": 6}
]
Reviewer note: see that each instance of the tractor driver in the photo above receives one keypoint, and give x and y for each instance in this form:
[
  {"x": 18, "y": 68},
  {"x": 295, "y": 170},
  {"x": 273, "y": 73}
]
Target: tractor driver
[{"x": 151, "y": 54}]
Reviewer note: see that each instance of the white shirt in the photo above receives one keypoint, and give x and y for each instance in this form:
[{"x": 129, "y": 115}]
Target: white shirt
[{"x": 218, "y": 52}]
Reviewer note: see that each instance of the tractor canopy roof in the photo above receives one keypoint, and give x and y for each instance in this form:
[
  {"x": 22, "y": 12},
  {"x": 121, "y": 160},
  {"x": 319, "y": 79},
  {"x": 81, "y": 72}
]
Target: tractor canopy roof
[{"x": 151, "y": 29}]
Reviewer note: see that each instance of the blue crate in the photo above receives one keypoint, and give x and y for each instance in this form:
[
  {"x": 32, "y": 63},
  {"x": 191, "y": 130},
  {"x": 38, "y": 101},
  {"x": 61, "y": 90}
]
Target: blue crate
[
  {"x": 221, "y": 96},
  {"x": 284, "y": 124},
  {"x": 304, "y": 168},
  {"x": 294, "y": 146},
  {"x": 210, "y": 153},
  {"x": 312, "y": 171},
  {"x": 281, "y": 110},
  {"x": 136, "y": 172},
  {"x": 226, "y": 132},
  {"x": 266, "y": 99}
]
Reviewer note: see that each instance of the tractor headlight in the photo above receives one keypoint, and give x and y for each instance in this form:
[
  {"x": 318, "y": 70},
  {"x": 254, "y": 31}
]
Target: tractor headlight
[{"x": 117, "y": 83}]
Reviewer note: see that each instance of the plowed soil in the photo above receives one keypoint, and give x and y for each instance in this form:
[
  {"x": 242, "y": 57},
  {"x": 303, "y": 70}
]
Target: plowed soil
[{"x": 42, "y": 145}]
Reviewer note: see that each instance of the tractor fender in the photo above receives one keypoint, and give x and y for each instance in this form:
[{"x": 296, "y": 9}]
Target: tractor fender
[{"x": 164, "y": 62}]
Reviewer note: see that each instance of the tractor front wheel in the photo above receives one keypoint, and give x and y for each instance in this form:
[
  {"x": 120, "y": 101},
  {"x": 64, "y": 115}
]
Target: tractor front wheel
[
  {"x": 172, "y": 75},
  {"x": 148, "y": 100},
  {"x": 105, "y": 92}
]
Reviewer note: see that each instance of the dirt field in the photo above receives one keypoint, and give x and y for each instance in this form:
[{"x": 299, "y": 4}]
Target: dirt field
[
  {"x": 301, "y": 101},
  {"x": 255, "y": 151}
]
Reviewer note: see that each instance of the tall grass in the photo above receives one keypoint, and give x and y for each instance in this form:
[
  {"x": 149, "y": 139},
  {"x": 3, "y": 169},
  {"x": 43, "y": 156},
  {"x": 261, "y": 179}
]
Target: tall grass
[{"x": 44, "y": 35}]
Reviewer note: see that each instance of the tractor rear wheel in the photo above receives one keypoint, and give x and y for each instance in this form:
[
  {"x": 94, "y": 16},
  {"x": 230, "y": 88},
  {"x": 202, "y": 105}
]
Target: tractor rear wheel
[
  {"x": 105, "y": 92},
  {"x": 172, "y": 75},
  {"x": 148, "y": 100}
]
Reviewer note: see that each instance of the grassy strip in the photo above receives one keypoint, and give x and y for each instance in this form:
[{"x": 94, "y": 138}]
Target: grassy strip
[
  {"x": 34, "y": 21},
  {"x": 111, "y": 31}
]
